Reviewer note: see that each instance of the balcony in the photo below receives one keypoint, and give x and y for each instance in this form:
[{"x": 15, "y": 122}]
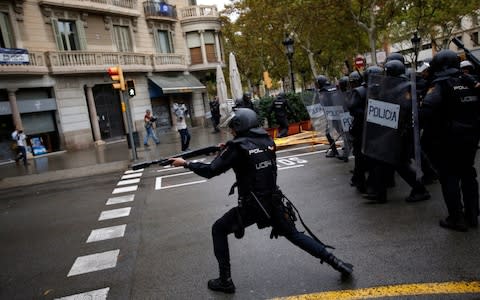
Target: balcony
[
  {"x": 159, "y": 11},
  {"x": 118, "y": 7},
  {"x": 199, "y": 11},
  {"x": 37, "y": 65},
  {"x": 85, "y": 62}
]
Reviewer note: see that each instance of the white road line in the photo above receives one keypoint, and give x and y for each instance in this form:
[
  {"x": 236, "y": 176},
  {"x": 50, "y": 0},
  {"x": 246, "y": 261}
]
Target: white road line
[
  {"x": 107, "y": 233},
  {"x": 100, "y": 294},
  {"x": 177, "y": 174},
  {"x": 133, "y": 175},
  {"x": 133, "y": 171},
  {"x": 114, "y": 213},
  {"x": 168, "y": 168},
  {"x": 158, "y": 186},
  {"x": 299, "y": 148},
  {"x": 94, "y": 262},
  {"x": 121, "y": 199},
  {"x": 290, "y": 167},
  {"x": 125, "y": 189},
  {"x": 128, "y": 181}
]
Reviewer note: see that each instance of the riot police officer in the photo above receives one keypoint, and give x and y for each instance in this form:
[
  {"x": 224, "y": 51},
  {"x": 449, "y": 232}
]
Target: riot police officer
[
  {"x": 358, "y": 101},
  {"x": 451, "y": 111},
  {"x": 324, "y": 85},
  {"x": 280, "y": 107},
  {"x": 245, "y": 101},
  {"x": 251, "y": 155}
]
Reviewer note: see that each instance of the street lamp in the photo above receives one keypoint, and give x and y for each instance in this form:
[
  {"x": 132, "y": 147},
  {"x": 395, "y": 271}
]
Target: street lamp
[
  {"x": 288, "y": 43},
  {"x": 416, "y": 46}
]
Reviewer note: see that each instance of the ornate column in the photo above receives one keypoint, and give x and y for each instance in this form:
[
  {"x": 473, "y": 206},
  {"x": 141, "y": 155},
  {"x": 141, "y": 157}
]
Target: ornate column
[
  {"x": 12, "y": 98},
  {"x": 202, "y": 45},
  {"x": 92, "y": 111},
  {"x": 217, "y": 47}
]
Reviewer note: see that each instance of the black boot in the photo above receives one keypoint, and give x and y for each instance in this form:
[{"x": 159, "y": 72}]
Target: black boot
[
  {"x": 224, "y": 283},
  {"x": 345, "y": 268}
]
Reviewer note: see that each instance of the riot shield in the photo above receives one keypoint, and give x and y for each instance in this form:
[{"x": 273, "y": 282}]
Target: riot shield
[
  {"x": 388, "y": 119},
  {"x": 314, "y": 108}
]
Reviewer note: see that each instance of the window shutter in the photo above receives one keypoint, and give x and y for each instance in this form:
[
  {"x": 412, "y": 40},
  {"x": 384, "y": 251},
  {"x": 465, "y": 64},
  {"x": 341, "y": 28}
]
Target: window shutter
[
  {"x": 82, "y": 39},
  {"x": 56, "y": 34},
  {"x": 6, "y": 31}
]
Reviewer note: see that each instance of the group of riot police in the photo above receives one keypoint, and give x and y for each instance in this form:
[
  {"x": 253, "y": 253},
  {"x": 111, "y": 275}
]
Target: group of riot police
[{"x": 389, "y": 107}]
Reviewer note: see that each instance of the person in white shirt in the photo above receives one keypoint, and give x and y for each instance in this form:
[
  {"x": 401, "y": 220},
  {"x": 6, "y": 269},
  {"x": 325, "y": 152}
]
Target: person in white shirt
[
  {"x": 21, "y": 140},
  {"x": 180, "y": 111}
]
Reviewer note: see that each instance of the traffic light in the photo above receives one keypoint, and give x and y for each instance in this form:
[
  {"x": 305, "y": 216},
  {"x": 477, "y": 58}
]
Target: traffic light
[
  {"x": 131, "y": 87},
  {"x": 116, "y": 74},
  {"x": 267, "y": 80}
]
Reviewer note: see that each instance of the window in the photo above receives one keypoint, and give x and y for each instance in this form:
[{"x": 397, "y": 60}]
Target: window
[
  {"x": 193, "y": 43},
  {"x": 209, "y": 38},
  {"x": 6, "y": 35},
  {"x": 192, "y": 2},
  {"x": 69, "y": 35},
  {"x": 475, "y": 39},
  {"x": 460, "y": 39},
  {"x": 164, "y": 41},
  {"x": 121, "y": 37}
]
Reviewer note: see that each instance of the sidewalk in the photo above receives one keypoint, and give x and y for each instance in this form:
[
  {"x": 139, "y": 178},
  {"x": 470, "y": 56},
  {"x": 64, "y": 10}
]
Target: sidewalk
[{"x": 111, "y": 157}]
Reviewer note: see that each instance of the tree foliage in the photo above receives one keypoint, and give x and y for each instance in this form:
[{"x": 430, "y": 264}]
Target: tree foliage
[{"x": 329, "y": 32}]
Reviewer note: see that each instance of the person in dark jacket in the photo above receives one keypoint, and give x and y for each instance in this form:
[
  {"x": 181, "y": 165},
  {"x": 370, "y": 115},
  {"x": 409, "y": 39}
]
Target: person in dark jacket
[
  {"x": 251, "y": 155},
  {"x": 451, "y": 111},
  {"x": 280, "y": 108}
]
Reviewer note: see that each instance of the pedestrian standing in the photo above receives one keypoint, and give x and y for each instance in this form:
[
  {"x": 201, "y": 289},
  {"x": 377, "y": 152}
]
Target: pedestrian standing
[
  {"x": 215, "y": 111},
  {"x": 251, "y": 155},
  {"x": 451, "y": 111},
  {"x": 181, "y": 112},
  {"x": 149, "y": 123},
  {"x": 21, "y": 139}
]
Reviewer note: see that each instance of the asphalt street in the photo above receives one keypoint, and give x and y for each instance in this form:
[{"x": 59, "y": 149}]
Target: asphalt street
[{"x": 165, "y": 251}]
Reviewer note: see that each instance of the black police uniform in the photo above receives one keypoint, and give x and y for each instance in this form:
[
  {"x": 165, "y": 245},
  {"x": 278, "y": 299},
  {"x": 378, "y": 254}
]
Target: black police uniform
[
  {"x": 215, "y": 111},
  {"x": 358, "y": 99},
  {"x": 245, "y": 102},
  {"x": 333, "y": 152},
  {"x": 451, "y": 112},
  {"x": 252, "y": 157},
  {"x": 279, "y": 107}
]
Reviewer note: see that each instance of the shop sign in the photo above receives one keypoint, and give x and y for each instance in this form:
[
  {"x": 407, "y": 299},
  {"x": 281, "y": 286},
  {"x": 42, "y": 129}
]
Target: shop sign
[{"x": 14, "y": 56}]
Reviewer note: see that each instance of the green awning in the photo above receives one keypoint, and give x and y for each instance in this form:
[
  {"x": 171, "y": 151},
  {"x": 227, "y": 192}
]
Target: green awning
[{"x": 180, "y": 83}]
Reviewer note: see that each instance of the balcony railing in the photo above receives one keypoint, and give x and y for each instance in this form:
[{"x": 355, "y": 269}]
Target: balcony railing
[
  {"x": 199, "y": 11},
  {"x": 160, "y": 10},
  {"x": 128, "y": 7},
  {"x": 62, "y": 62}
]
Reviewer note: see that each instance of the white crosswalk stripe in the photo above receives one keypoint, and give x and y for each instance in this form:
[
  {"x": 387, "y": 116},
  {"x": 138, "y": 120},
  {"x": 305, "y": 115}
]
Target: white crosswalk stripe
[
  {"x": 100, "y": 294},
  {"x": 114, "y": 213},
  {"x": 106, "y": 233},
  {"x": 130, "y": 176},
  {"x": 128, "y": 181},
  {"x": 125, "y": 189},
  {"x": 120, "y": 199},
  {"x": 94, "y": 262},
  {"x": 133, "y": 171}
]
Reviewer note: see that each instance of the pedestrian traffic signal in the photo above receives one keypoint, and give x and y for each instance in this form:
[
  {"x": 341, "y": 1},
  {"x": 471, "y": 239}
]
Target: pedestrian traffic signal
[
  {"x": 131, "y": 87},
  {"x": 116, "y": 74}
]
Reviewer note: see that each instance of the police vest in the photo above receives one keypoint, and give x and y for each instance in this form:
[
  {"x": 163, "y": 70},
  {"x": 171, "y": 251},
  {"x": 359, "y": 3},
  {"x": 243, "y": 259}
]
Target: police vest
[
  {"x": 463, "y": 106},
  {"x": 279, "y": 107},
  {"x": 260, "y": 167}
]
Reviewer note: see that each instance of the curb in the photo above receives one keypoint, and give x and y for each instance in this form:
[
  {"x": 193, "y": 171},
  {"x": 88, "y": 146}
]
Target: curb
[{"x": 17, "y": 181}]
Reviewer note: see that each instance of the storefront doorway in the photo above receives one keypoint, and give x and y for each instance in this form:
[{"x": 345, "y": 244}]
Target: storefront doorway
[{"x": 109, "y": 113}]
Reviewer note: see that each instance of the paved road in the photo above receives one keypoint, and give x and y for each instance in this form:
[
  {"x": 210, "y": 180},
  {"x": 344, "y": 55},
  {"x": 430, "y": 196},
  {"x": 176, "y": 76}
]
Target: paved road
[{"x": 156, "y": 243}]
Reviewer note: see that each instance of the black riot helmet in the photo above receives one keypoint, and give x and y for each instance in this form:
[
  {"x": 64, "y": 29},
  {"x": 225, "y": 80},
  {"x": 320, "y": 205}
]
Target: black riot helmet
[
  {"x": 355, "y": 79},
  {"x": 395, "y": 56},
  {"x": 243, "y": 120},
  {"x": 247, "y": 96},
  {"x": 321, "y": 81},
  {"x": 370, "y": 71},
  {"x": 445, "y": 60},
  {"x": 343, "y": 83},
  {"x": 394, "y": 68}
]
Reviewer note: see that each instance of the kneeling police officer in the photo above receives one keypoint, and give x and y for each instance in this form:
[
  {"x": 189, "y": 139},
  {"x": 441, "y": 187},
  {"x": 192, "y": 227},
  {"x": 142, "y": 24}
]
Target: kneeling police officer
[{"x": 251, "y": 154}]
